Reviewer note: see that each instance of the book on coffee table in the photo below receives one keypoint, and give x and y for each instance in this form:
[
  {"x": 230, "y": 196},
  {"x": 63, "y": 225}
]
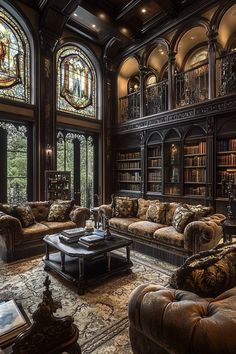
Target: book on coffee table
[
  {"x": 79, "y": 231},
  {"x": 91, "y": 241}
]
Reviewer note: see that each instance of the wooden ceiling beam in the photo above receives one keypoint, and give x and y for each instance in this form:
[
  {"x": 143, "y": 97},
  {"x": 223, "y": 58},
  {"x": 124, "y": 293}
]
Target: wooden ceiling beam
[{"x": 125, "y": 10}]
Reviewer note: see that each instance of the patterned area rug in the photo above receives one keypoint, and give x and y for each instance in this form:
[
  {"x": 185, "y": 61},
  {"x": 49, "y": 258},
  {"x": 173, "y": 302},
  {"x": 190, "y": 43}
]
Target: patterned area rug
[{"x": 100, "y": 314}]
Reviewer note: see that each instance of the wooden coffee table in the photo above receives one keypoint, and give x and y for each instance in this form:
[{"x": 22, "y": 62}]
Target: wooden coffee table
[{"x": 81, "y": 265}]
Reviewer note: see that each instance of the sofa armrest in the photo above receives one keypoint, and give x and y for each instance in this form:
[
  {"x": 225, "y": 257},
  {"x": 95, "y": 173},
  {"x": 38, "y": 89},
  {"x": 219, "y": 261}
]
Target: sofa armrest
[
  {"x": 79, "y": 214},
  {"x": 203, "y": 234},
  {"x": 105, "y": 210},
  {"x": 10, "y": 231}
]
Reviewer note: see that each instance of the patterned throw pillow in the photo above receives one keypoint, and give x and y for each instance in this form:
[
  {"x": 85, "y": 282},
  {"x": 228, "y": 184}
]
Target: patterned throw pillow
[
  {"x": 124, "y": 207},
  {"x": 208, "y": 273},
  {"x": 156, "y": 212},
  {"x": 60, "y": 210},
  {"x": 170, "y": 210},
  {"x": 25, "y": 215},
  {"x": 200, "y": 211},
  {"x": 143, "y": 205},
  {"x": 182, "y": 216}
]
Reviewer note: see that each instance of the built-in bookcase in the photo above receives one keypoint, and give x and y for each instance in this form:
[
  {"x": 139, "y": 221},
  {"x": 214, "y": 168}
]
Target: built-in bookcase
[
  {"x": 195, "y": 168},
  {"x": 128, "y": 171},
  {"x": 172, "y": 168},
  {"x": 226, "y": 164},
  {"x": 154, "y": 169}
]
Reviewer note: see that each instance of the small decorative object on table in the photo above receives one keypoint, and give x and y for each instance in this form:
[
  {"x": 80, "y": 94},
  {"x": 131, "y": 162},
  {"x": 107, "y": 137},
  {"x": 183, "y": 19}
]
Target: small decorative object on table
[
  {"x": 108, "y": 235},
  {"x": 89, "y": 225}
]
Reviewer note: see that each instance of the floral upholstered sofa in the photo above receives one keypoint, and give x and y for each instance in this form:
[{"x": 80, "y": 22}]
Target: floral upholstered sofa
[
  {"x": 170, "y": 231},
  {"x": 22, "y": 227}
]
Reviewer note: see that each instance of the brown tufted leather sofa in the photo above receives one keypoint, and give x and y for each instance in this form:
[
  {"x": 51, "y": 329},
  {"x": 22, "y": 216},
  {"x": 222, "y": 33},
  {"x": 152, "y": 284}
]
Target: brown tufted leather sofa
[
  {"x": 198, "y": 320},
  {"x": 20, "y": 242}
]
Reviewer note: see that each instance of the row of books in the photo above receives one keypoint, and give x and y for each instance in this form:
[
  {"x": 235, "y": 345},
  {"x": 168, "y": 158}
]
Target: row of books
[
  {"x": 226, "y": 145},
  {"x": 195, "y": 190},
  {"x": 195, "y": 175},
  {"x": 195, "y": 161},
  {"x": 128, "y": 155},
  {"x": 154, "y": 176},
  {"x": 127, "y": 176},
  {"x": 154, "y": 163},
  {"x": 154, "y": 187},
  {"x": 132, "y": 164},
  {"x": 154, "y": 151},
  {"x": 129, "y": 186},
  {"x": 226, "y": 176},
  {"x": 226, "y": 159},
  {"x": 199, "y": 148}
]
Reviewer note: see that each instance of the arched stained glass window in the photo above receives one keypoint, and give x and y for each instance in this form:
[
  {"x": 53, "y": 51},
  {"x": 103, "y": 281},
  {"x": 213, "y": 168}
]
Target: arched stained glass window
[
  {"x": 76, "y": 82},
  {"x": 14, "y": 60}
]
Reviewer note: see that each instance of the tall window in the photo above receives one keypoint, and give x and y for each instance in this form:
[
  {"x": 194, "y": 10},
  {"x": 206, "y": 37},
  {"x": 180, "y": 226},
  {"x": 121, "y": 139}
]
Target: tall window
[
  {"x": 14, "y": 155},
  {"x": 76, "y": 82},
  {"x": 76, "y": 153},
  {"x": 14, "y": 60}
]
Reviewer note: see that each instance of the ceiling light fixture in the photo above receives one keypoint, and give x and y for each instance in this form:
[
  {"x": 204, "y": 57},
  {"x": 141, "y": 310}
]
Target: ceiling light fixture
[
  {"x": 124, "y": 30},
  {"x": 93, "y": 25},
  {"x": 143, "y": 11},
  {"x": 75, "y": 15},
  {"x": 233, "y": 13}
]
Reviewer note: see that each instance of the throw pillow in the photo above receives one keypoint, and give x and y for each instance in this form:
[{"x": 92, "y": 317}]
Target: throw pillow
[
  {"x": 7, "y": 209},
  {"x": 124, "y": 207},
  {"x": 170, "y": 210},
  {"x": 60, "y": 210},
  {"x": 143, "y": 205},
  {"x": 156, "y": 212},
  {"x": 25, "y": 215},
  {"x": 40, "y": 209},
  {"x": 208, "y": 273},
  {"x": 200, "y": 211},
  {"x": 182, "y": 216}
]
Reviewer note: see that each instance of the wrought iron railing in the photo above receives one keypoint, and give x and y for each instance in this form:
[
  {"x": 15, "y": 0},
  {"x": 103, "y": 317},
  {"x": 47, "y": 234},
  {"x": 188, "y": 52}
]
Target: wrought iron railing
[
  {"x": 226, "y": 74},
  {"x": 192, "y": 86},
  {"x": 130, "y": 106},
  {"x": 156, "y": 98}
]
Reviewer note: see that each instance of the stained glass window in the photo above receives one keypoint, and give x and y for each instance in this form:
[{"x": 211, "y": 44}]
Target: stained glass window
[
  {"x": 14, "y": 60},
  {"x": 76, "y": 82}
]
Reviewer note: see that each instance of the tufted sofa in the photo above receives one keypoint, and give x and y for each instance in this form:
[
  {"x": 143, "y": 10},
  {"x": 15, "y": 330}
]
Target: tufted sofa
[
  {"x": 150, "y": 224},
  {"x": 19, "y": 241},
  {"x": 202, "y": 320}
]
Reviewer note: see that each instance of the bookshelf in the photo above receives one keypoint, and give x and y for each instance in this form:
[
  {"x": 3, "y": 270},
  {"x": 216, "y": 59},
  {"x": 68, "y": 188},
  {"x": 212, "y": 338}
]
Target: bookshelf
[
  {"x": 225, "y": 164},
  {"x": 195, "y": 168},
  {"x": 172, "y": 168},
  {"x": 154, "y": 169},
  {"x": 128, "y": 171},
  {"x": 57, "y": 185}
]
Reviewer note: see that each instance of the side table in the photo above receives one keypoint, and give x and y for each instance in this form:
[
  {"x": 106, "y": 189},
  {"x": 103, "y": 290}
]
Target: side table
[{"x": 229, "y": 229}]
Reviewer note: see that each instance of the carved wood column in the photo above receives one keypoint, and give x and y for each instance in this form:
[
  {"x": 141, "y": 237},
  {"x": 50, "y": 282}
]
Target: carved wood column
[
  {"x": 108, "y": 120},
  {"x": 212, "y": 41},
  {"x": 171, "y": 80},
  {"x": 210, "y": 160},
  {"x": 142, "y": 74},
  {"x": 142, "y": 137}
]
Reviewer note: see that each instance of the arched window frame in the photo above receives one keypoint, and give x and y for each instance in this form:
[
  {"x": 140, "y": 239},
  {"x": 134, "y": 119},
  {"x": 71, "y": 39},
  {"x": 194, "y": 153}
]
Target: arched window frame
[
  {"x": 92, "y": 63},
  {"x": 14, "y": 17}
]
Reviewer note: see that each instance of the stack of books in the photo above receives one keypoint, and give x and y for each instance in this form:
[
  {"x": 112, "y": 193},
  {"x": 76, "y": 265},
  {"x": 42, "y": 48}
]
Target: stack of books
[
  {"x": 91, "y": 241},
  {"x": 72, "y": 235}
]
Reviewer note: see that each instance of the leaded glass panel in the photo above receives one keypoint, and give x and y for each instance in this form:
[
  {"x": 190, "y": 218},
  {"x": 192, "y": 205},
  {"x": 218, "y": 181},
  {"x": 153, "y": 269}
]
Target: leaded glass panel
[
  {"x": 76, "y": 82},
  {"x": 14, "y": 60}
]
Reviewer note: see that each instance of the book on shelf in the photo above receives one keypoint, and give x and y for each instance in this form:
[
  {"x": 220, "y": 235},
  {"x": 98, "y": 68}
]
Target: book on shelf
[
  {"x": 12, "y": 321},
  {"x": 79, "y": 231}
]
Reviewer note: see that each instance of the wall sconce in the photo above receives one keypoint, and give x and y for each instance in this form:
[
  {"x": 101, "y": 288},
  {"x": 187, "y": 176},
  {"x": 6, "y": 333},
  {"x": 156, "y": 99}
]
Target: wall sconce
[{"x": 48, "y": 155}]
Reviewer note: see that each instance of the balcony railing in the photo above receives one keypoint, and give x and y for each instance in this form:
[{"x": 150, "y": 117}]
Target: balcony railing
[
  {"x": 192, "y": 86},
  {"x": 130, "y": 106},
  {"x": 226, "y": 74},
  {"x": 156, "y": 98}
]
